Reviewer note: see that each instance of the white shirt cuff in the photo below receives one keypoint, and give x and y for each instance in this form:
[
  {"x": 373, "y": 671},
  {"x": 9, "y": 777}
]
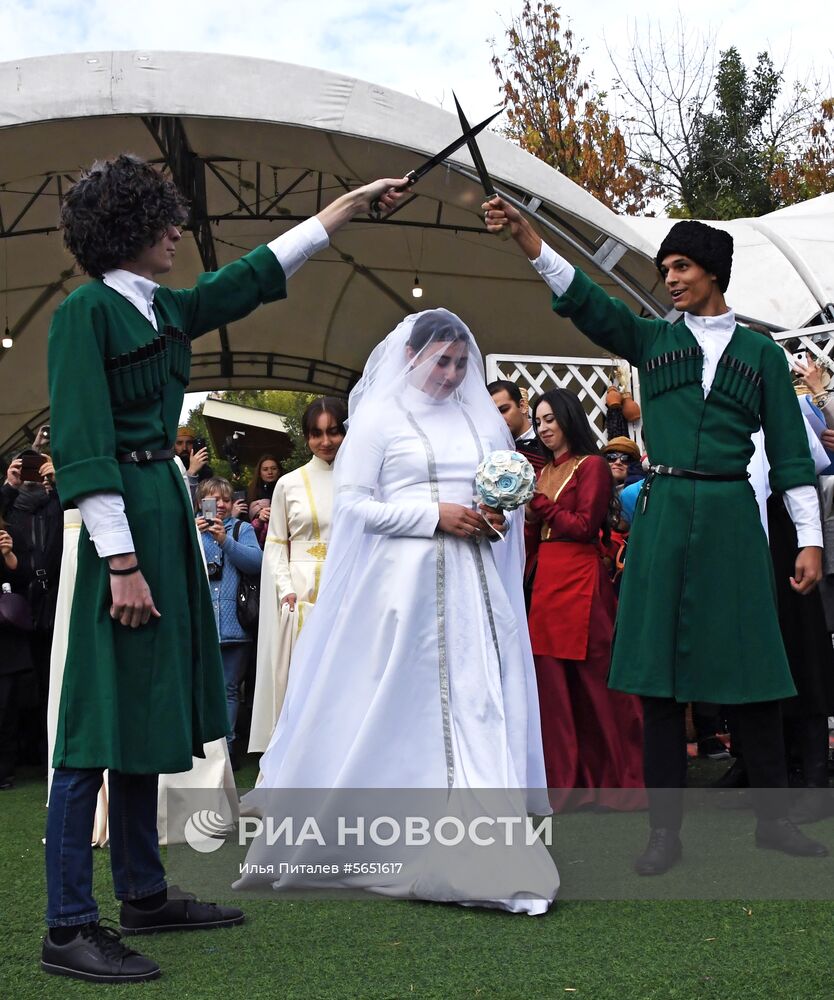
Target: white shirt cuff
[
  {"x": 293, "y": 248},
  {"x": 555, "y": 270},
  {"x": 104, "y": 518},
  {"x": 804, "y": 508}
]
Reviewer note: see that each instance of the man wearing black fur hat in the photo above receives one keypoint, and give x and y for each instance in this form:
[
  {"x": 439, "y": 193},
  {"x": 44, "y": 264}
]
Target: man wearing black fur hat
[{"x": 697, "y": 615}]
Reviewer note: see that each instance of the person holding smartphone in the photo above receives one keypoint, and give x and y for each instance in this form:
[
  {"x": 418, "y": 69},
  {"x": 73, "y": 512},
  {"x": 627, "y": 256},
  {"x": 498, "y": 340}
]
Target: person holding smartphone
[
  {"x": 143, "y": 684},
  {"x": 231, "y": 549}
]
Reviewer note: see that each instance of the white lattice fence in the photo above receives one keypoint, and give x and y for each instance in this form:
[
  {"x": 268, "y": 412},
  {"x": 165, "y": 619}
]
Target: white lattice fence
[
  {"x": 816, "y": 341},
  {"x": 589, "y": 378}
]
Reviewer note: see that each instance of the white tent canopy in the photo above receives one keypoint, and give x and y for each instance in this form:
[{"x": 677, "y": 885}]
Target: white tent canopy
[{"x": 258, "y": 146}]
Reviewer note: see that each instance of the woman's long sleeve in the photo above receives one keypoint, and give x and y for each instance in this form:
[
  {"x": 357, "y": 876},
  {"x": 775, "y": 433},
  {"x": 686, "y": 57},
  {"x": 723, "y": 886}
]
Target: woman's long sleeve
[{"x": 582, "y": 522}]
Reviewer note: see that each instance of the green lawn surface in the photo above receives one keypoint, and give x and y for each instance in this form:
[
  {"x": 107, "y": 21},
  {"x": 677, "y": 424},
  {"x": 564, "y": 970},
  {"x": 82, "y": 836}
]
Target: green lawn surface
[{"x": 695, "y": 949}]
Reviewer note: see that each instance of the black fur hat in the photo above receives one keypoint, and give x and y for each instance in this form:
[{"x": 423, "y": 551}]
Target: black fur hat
[{"x": 710, "y": 247}]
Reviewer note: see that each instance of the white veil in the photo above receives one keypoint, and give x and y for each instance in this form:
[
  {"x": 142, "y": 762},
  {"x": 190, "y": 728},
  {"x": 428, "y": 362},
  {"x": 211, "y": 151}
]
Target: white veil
[
  {"x": 388, "y": 373},
  {"x": 407, "y": 360}
]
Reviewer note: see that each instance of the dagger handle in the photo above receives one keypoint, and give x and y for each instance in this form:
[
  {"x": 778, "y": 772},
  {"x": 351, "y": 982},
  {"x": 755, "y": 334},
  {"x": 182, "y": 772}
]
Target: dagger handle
[{"x": 411, "y": 177}]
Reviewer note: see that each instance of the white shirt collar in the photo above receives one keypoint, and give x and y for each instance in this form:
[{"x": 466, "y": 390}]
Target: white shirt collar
[
  {"x": 725, "y": 323},
  {"x": 528, "y": 435},
  {"x": 138, "y": 291},
  {"x": 713, "y": 334}
]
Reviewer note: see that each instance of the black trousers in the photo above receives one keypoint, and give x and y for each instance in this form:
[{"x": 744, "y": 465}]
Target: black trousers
[{"x": 665, "y": 760}]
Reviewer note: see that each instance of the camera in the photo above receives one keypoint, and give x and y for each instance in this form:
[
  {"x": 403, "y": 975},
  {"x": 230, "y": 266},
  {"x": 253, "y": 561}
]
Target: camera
[
  {"x": 215, "y": 570},
  {"x": 230, "y": 453}
]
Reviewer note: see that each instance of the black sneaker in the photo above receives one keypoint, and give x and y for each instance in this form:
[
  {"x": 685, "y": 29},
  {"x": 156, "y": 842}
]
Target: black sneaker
[
  {"x": 663, "y": 850},
  {"x": 97, "y": 954},
  {"x": 783, "y": 835},
  {"x": 713, "y": 748},
  {"x": 185, "y": 913}
]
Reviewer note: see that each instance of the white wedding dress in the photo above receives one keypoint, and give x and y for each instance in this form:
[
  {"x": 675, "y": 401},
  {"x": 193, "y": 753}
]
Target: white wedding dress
[{"x": 414, "y": 669}]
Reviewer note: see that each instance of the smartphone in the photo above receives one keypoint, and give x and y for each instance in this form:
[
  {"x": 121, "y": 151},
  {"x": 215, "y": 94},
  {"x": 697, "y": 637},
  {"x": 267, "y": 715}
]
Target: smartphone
[
  {"x": 801, "y": 357},
  {"x": 238, "y": 495},
  {"x": 208, "y": 508},
  {"x": 30, "y": 466},
  {"x": 199, "y": 444}
]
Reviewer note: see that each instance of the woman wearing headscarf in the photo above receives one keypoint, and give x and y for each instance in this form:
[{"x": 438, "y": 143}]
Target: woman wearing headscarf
[
  {"x": 592, "y": 736},
  {"x": 414, "y": 669},
  {"x": 295, "y": 547}
]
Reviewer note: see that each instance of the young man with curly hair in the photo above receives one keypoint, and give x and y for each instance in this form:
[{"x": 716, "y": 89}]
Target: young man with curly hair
[{"x": 143, "y": 684}]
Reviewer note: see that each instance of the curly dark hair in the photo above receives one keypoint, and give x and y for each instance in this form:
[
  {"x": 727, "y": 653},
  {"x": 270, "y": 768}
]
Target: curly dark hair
[{"x": 115, "y": 210}]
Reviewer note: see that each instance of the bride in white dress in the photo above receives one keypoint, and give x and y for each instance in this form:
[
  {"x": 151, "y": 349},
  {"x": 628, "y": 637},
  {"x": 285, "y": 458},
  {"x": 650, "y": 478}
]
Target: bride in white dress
[{"x": 414, "y": 669}]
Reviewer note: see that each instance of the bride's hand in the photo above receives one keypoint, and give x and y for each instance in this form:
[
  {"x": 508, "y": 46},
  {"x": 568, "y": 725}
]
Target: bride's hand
[
  {"x": 464, "y": 522},
  {"x": 496, "y": 520}
]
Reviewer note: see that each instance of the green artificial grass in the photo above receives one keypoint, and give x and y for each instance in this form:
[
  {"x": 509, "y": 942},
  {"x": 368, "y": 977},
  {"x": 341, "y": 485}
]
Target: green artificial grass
[{"x": 374, "y": 950}]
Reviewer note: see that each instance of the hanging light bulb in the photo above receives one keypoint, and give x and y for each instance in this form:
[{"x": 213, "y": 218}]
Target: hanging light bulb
[
  {"x": 7, "y": 341},
  {"x": 417, "y": 290}
]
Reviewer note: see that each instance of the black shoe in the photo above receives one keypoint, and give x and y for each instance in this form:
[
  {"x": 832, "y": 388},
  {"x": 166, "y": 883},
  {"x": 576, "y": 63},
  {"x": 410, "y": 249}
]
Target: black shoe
[
  {"x": 713, "y": 748},
  {"x": 663, "y": 850},
  {"x": 97, "y": 954},
  {"x": 734, "y": 777},
  {"x": 185, "y": 913},
  {"x": 812, "y": 805},
  {"x": 782, "y": 835}
]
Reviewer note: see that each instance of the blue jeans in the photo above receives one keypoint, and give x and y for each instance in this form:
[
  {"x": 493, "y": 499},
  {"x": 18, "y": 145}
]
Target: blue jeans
[
  {"x": 235, "y": 656},
  {"x": 134, "y": 842}
]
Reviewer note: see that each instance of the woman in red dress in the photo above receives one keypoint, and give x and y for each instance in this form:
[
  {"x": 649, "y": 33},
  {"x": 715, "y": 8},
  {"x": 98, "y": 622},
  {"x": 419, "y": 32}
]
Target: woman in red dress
[{"x": 592, "y": 736}]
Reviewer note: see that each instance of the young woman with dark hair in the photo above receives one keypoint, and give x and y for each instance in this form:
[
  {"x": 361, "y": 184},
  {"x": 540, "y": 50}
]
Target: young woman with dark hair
[
  {"x": 592, "y": 736},
  {"x": 259, "y": 494},
  {"x": 294, "y": 553}
]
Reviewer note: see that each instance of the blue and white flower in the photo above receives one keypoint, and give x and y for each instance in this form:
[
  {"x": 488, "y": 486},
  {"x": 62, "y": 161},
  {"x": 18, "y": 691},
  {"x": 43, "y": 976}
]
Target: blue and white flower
[{"x": 505, "y": 480}]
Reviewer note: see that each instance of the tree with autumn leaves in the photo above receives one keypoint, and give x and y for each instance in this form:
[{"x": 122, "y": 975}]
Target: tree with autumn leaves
[
  {"x": 560, "y": 117},
  {"x": 702, "y": 134}
]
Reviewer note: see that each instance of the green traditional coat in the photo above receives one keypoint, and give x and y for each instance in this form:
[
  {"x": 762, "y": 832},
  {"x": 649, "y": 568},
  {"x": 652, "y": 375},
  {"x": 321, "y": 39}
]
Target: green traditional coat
[
  {"x": 140, "y": 700},
  {"x": 697, "y": 612}
]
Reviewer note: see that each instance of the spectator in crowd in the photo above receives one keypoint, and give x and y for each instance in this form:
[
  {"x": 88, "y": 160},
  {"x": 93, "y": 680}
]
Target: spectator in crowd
[
  {"x": 231, "y": 549},
  {"x": 34, "y": 516},
  {"x": 623, "y": 456},
  {"x": 592, "y": 736},
  {"x": 15, "y": 659},
  {"x": 296, "y": 546},
  {"x": 513, "y": 407},
  {"x": 194, "y": 463},
  {"x": 266, "y": 475}
]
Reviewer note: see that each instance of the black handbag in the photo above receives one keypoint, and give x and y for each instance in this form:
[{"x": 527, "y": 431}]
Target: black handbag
[
  {"x": 15, "y": 612},
  {"x": 248, "y": 595}
]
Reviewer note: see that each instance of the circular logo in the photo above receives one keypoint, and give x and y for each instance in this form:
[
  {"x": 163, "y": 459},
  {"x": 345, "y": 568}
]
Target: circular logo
[{"x": 205, "y": 831}]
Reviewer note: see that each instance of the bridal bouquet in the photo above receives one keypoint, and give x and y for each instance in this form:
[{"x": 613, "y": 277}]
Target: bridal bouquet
[{"x": 505, "y": 480}]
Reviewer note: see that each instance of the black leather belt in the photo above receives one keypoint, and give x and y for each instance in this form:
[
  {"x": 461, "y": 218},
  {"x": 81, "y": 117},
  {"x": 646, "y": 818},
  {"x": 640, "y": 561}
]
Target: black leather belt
[
  {"x": 141, "y": 456},
  {"x": 670, "y": 470}
]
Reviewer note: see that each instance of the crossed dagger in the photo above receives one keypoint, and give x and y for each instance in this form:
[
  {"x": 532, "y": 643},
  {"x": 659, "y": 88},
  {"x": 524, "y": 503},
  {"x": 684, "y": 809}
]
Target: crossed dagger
[{"x": 467, "y": 138}]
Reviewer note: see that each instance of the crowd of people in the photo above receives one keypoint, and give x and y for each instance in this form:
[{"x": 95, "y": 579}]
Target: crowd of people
[{"x": 406, "y": 635}]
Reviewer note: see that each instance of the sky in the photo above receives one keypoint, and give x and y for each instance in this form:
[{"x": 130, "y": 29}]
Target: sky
[{"x": 424, "y": 48}]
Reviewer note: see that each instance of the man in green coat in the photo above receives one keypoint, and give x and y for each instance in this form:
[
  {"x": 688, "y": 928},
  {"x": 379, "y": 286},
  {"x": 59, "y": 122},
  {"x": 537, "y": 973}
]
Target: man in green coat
[
  {"x": 143, "y": 685},
  {"x": 697, "y": 612}
]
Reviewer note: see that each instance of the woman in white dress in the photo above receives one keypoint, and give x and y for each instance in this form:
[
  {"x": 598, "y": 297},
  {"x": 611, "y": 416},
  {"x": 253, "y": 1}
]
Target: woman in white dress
[
  {"x": 414, "y": 670},
  {"x": 296, "y": 545}
]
